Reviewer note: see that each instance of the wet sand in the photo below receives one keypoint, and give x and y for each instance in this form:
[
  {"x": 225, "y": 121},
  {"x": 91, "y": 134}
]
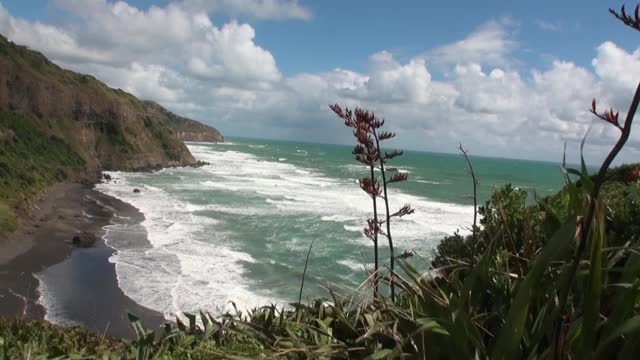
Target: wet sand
[{"x": 81, "y": 284}]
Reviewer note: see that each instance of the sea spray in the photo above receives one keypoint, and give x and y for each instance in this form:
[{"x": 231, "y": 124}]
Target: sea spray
[{"x": 237, "y": 230}]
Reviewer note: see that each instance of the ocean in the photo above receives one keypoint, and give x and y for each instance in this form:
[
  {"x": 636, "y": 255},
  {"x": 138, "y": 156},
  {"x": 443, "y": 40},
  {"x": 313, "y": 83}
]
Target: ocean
[{"x": 239, "y": 229}]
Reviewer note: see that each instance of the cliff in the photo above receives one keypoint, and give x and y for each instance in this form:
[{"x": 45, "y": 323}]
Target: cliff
[
  {"x": 185, "y": 129},
  {"x": 56, "y": 124}
]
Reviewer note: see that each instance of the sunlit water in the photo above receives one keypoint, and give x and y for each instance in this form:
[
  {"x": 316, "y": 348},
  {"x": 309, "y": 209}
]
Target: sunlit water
[{"x": 239, "y": 229}]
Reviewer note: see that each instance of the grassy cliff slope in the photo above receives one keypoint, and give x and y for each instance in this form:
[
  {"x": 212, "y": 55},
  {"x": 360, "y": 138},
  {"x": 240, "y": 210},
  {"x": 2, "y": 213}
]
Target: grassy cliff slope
[{"x": 56, "y": 124}]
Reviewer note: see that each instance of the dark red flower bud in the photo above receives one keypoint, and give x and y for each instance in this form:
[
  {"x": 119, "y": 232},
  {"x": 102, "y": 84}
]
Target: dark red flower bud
[
  {"x": 405, "y": 210},
  {"x": 358, "y": 150},
  {"x": 391, "y": 155},
  {"x": 386, "y": 135},
  {"x": 397, "y": 177},
  {"x": 370, "y": 187},
  {"x": 372, "y": 229}
]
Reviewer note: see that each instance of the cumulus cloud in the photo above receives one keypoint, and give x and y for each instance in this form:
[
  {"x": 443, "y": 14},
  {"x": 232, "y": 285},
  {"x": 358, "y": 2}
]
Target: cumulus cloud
[
  {"x": 55, "y": 42},
  {"x": 618, "y": 69},
  {"x": 496, "y": 92},
  {"x": 501, "y": 112},
  {"x": 118, "y": 35},
  {"x": 490, "y": 44},
  {"x": 395, "y": 82},
  {"x": 217, "y": 73},
  {"x": 230, "y": 51},
  {"x": 261, "y": 9}
]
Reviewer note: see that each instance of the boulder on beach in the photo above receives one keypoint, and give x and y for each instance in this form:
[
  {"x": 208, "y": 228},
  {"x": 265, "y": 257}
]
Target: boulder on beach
[
  {"x": 84, "y": 240},
  {"x": 136, "y": 190}
]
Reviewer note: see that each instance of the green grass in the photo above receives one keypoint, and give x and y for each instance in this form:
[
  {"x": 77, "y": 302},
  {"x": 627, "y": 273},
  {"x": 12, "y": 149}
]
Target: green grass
[
  {"x": 38, "y": 65},
  {"x": 22, "y": 339},
  {"x": 7, "y": 218},
  {"x": 30, "y": 159}
]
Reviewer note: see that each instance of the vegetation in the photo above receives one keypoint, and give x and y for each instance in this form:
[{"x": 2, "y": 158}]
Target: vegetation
[
  {"x": 56, "y": 124},
  {"x": 367, "y": 129},
  {"x": 21, "y": 339},
  {"x": 558, "y": 279},
  {"x": 30, "y": 159}
]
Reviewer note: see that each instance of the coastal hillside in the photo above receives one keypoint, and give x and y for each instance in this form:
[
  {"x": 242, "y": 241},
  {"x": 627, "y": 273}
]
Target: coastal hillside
[
  {"x": 56, "y": 124},
  {"x": 185, "y": 129}
]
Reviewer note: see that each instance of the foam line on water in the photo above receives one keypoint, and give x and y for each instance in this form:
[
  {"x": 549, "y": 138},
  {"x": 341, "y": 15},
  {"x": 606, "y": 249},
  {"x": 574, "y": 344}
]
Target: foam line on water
[
  {"x": 191, "y": 256},
  {"x": 54, "y": 310},
  {"x": 352, "y": 264},
  {"x": 427, "y": 182},
  {"x": 294, "y": 190},
  {"x": 178, "y": 272}
]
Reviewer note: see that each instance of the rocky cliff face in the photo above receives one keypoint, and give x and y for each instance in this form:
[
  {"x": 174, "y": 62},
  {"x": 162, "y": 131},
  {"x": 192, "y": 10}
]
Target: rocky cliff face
[
  {"x": 186, "y": 129},
  {"x": 109, "y": 128},
  {"x": 56, "y": 124}
]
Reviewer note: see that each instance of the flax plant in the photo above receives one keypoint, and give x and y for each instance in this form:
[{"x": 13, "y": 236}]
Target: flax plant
[{"x": 369, "y": 135}]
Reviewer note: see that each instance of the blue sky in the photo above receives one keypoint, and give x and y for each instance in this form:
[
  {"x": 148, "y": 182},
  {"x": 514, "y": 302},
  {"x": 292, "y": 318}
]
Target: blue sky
[
  {"x": 496, "y": 71},
  {"x": 344, "y": 33}
]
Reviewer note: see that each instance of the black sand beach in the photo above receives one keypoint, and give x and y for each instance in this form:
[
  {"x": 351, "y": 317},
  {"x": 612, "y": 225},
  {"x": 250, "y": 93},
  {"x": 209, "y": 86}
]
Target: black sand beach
[{"x": 81, "y": 283}]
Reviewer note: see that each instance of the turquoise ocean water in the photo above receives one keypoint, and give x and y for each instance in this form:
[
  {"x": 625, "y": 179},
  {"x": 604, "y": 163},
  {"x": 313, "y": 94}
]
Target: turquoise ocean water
[{"x": 239, "y": 229}]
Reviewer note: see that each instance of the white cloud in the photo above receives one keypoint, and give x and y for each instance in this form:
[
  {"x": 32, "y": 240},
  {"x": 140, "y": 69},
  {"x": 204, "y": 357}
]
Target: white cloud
[
  {"x": 119, "y": 35},
  {"x": 55, "y": 42},
  {"x": 261, "y": 9},
  {"x": 230, "y": 51},
  {"x": 390, "y": 81},
  {"x": 490, "y": 44},
  {"x": 496, "y": 92},
  {"x": 218, "y": 74},
  {"x": 619, "y": 71}
]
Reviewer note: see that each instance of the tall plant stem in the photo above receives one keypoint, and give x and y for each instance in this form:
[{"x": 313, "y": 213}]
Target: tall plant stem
[
  {"x": 392, "y": 258},
  {"x": 375, "y": 241},
  {"x": 587, "y": 220},
  {"x": 304, "y": 272},
  {"x": 475, "y": 203}
]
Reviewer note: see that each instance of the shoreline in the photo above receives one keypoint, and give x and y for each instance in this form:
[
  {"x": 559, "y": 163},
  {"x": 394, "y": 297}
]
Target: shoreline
[{"x": 87, "y": 282}]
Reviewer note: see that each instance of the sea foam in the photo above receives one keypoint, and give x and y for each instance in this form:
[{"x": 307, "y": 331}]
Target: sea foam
[
  {"x": 179, "y": 271},
  {"x": 192, "y": 262}
]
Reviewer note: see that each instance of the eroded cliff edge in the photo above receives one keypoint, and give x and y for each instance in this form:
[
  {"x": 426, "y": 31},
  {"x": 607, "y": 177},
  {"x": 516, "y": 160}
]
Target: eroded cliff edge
[{"x": 58, "y": 125}]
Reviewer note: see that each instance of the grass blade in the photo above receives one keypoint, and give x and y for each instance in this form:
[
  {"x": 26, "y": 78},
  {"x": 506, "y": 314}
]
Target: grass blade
[{"x": 509, "y": 338}]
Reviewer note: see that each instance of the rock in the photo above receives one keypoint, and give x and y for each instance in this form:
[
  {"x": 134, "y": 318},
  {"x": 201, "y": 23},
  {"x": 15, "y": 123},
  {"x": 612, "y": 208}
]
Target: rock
[
  {"x": 136, "y": 191},
  {"x": 200, "y": 163},
  {"x": 107, "y": 177},
  {"x": 84, "y": 240},
  {"x": 87, "y": 183}
]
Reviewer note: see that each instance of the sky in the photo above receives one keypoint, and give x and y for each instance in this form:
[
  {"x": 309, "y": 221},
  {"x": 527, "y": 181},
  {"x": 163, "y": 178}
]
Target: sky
[{"x": 504, "y": 78}]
